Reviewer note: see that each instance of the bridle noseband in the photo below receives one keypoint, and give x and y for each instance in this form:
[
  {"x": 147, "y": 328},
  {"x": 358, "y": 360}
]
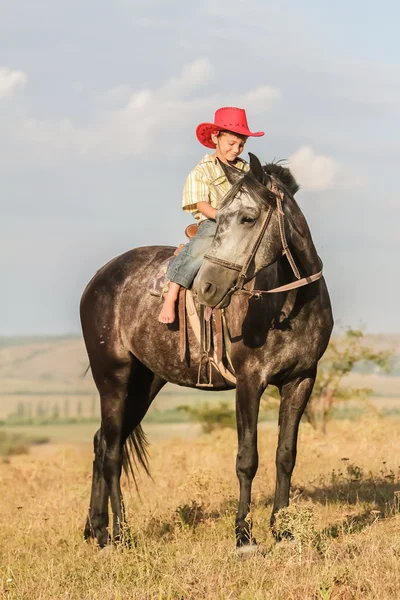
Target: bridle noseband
[{"x": 243, "y": 269}]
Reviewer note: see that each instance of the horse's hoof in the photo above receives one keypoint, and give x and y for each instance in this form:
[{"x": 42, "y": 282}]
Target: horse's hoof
[
  {"x": 102, "y": 538},
  {"x": 97, "y": 532}
]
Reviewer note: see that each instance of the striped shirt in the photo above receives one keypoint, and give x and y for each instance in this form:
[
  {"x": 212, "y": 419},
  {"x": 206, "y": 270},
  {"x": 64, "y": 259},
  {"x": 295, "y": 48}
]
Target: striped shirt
[{"x": 207, "y": 183}]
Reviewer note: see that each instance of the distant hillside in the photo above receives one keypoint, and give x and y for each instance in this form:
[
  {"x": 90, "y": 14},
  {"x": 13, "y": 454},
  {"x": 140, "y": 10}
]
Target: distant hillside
[
  {"x": 43, "y": 365},
  {"x": 55, "y": 365},
  {"x": 48, "y": 371},
  {"x": 42, "y": 372}
]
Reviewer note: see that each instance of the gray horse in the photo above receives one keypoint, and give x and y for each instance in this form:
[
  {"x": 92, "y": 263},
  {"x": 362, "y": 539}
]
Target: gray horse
[{"x": 277, "y": 338}]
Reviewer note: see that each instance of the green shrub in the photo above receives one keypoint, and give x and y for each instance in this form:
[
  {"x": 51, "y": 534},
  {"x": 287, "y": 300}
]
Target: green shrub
[
  {"x": 217, "y": 416},
  {"x": 18, "y": 443}
]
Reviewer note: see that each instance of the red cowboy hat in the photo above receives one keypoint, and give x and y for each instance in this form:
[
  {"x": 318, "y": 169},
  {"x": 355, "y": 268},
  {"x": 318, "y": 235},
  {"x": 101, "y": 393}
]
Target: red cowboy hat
[{"x": 227, "y": 118}]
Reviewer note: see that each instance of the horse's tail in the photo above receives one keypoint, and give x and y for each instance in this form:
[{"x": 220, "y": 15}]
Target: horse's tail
[{"x": 135, "y": 453}]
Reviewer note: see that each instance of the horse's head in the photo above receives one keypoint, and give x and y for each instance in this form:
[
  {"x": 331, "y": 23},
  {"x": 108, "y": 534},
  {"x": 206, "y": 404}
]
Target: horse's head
[{"x": 248, "y": 236}]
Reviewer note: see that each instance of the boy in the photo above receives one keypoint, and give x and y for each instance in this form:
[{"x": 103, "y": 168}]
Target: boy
[{"x": 204, "y": 189}]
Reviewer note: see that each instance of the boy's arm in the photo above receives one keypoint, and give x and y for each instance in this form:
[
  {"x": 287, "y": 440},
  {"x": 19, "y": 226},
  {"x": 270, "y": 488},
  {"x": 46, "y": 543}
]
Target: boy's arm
[
  {"x": 207, "y": 210},
  {"x": 196, "y": 194}
]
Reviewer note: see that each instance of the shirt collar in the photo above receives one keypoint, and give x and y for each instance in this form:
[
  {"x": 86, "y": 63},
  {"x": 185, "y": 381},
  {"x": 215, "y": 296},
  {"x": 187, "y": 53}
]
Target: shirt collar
[{"x": 209, "y": 158}]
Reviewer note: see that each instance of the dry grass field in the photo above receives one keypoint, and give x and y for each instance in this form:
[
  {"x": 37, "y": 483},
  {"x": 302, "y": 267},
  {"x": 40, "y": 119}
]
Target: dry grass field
[
  {"x": 343, "y": 513},
  {"x": 344, "y": 509}
]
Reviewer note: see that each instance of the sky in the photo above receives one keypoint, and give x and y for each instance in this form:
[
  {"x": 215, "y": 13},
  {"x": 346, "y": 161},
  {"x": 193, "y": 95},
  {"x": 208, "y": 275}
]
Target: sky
[{"x": 99, "y": 103}]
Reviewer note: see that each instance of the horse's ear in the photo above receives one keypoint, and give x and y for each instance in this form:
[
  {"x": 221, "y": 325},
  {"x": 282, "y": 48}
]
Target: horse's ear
[
  {"x": 256, "y": 168},
  {"x": 232, "y": 174}
]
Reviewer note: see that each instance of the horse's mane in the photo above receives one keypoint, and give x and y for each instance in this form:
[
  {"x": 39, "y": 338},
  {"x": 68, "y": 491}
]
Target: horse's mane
[
  {"x": 284, "y": 176},
  {"x": 260, "y": 191},
  {"x": 255, "y": 189}
]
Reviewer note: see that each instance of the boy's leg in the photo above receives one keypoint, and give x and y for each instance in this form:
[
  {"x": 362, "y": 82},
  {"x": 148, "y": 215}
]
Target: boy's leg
[{"x": 184, "y": 268}]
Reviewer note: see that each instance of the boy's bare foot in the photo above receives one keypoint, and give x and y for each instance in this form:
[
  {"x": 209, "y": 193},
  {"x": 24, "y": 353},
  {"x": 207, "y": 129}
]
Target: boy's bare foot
[{"x": 167, "y": 314}]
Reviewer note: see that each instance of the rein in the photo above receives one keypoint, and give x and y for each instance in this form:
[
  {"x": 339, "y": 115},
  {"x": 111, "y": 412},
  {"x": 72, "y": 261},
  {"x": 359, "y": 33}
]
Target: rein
[{"x": 242, "y": 269}]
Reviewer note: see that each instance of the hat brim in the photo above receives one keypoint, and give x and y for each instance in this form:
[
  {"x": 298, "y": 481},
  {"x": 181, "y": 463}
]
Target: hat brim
[{"x": 205, "y": 130}]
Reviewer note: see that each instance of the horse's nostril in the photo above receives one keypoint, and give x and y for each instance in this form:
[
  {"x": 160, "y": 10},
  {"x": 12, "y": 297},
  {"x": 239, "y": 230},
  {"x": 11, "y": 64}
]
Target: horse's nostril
[{"x": 207, "y": 289}]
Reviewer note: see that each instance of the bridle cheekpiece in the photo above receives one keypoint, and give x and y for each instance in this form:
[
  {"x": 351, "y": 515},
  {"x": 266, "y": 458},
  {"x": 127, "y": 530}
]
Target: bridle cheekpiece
[{"x": 279, "y": 193}]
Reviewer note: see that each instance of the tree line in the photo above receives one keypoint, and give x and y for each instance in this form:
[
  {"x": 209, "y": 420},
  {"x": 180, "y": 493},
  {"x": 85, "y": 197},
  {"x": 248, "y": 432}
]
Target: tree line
[{"x": 61, "y": 411}]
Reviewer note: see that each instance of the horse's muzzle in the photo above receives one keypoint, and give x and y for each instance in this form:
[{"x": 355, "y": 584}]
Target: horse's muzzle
[{"x": 214, "y": 289}]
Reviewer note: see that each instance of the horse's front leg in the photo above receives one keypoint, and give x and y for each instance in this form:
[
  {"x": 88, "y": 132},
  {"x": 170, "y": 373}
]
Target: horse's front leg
[
  {"x": 295, "y": 395},
  {"x": 248, "y": 394}
]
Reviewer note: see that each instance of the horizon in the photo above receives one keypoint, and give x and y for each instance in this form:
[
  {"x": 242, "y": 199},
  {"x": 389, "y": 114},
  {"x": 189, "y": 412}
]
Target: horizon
[{"x": 76, "y": 335}]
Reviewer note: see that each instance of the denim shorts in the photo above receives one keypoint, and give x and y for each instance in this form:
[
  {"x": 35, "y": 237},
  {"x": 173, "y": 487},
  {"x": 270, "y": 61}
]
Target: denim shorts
[{"x": 184, "y": 268}]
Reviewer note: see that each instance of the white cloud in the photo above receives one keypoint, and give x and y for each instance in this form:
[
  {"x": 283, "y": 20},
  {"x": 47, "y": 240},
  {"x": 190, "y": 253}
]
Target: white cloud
[
  {"x": 319, "y": 172},
  {"x": 9, "y": 80},
  {"x": 261, "y": 98},
  {"x": 157, "y": 120}
]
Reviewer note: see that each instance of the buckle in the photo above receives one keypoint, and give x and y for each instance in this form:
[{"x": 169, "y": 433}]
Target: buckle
[{"x": 257, "y": 294}]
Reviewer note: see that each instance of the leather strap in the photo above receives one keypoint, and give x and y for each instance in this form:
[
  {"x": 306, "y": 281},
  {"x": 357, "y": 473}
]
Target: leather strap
[
  {"x": 205, "y": 347},
  {"x": 196, "y": 328},
  {"x": 218, "y": 335},
  {"x": 289, "y": 286},
  {"x": 182, "y": 324},
  {"x": 223, "y": 263}
]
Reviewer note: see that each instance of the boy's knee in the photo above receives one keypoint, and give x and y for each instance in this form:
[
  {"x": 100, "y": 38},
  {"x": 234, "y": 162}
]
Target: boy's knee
[{"x": 200, "y": 247}]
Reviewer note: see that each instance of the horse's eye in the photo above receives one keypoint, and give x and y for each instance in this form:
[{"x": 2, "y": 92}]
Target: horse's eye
[{"x": 248, "y": 220}]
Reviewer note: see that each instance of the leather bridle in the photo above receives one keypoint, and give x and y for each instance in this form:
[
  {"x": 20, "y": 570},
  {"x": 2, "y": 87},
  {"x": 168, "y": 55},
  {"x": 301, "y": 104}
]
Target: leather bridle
[{"x": 243, "y": 269}]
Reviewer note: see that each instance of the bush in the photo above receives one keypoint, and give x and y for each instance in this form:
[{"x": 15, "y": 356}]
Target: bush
[
  {"x": 218, "y": 416},
  {"x": 345, "y": 352},
  {"x": 18, "y": 443}
]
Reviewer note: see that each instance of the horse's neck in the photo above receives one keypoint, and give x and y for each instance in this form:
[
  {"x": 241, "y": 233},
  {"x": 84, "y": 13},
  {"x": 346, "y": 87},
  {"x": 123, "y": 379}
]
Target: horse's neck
[
  {"x": 273, "y": 276},
  {"x": 280, "y": 273},
  {"x": 301, "y": 243}
]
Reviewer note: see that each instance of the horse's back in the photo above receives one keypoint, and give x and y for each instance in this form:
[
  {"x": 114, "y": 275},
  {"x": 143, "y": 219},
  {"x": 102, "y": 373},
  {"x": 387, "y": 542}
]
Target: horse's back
[
  {"x": 131, "y": 264},
  {"x": 120, "y": 284}
]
